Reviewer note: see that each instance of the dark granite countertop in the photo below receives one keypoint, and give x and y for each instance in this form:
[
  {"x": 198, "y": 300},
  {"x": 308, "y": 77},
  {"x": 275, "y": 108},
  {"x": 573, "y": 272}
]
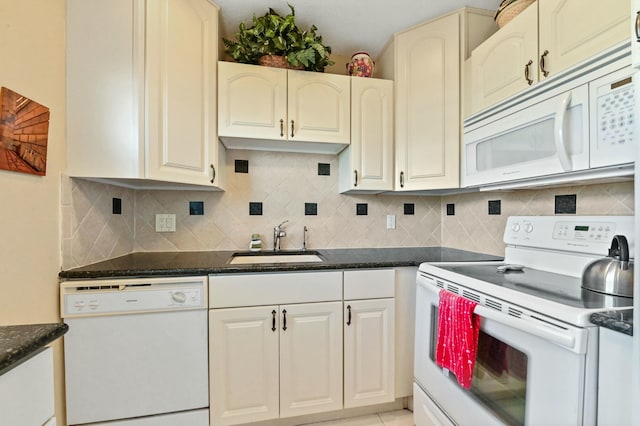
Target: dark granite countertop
[
  {"x": 621, "y": 321},
  {"x": 20, "y": 342},
  {"x": 183, "y": 263}
]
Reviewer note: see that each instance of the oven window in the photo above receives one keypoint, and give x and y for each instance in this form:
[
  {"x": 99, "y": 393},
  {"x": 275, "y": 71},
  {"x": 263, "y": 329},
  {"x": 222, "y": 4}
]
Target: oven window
[{"x": 499, "y": 377}]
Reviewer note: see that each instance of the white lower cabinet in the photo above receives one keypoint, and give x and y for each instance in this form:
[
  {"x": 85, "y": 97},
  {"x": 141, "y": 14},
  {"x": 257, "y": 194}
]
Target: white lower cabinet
[
  {"x": 26, "y": 392},
  {"x": 279, "y": 343},
  {"x": 275, "y": 360},
  {"x": 368, "y": 352},
  {"x": 369, "y": 337},
  {"x": 244, "y": 364},
  {"x": 310, "y": 358}
]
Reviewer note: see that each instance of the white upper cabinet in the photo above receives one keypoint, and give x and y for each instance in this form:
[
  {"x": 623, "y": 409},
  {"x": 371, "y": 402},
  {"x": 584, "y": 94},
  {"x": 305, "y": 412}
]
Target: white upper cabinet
[
  {"x": 427, "y": 71},
  {"x": 261, "y": 106},
  {"x": 574, "y": 30},
  {"x": 546, "y": 38},
  {"x": 366, "y": 166},
  {"x": 252, "y": 101},
  {"x": 505, "y": 63},
  {"x": 141, "y": 92}
]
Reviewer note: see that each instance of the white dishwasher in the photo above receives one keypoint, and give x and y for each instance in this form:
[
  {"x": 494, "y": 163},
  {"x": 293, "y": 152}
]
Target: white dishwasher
[{"x": 136, "y": 352}]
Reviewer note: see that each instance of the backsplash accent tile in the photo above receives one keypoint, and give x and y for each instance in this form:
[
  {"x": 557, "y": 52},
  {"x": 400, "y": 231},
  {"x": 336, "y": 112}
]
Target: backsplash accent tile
[
  {"x": 310, "y": 209},
  {"x": 242, "y": 166},
  {"x": 451, "y": 209},
  {"x": 494, "y": 207},
  {"x": 565, "y": 204},
  {"x": 409, "y": 209},
  {"x": 116, "y": 205},
  {"x": 196, "y": 208},
  {"x": 255, "y": 209},
  {"x": 362, "y": 209},
  {"x": 324, "y": 169}
]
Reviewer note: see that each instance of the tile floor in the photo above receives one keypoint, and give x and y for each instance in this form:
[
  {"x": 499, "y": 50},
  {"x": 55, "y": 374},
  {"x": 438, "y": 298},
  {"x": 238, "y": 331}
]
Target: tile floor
[{"x": 391, "y": 418}]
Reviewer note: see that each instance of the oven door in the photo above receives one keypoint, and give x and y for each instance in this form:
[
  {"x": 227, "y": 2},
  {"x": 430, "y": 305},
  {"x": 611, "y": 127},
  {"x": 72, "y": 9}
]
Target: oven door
[{"x": 528, "y": 370}]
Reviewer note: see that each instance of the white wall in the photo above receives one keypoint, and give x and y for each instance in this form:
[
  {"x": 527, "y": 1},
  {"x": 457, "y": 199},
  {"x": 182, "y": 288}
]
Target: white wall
[{"x": 32, "y": 52}]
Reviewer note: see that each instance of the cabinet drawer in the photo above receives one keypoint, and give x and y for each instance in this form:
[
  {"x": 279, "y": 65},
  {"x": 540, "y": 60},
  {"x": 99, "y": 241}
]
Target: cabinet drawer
[
  {"x": 369, "y": 284},
  {"x": 234, "y": 290}
]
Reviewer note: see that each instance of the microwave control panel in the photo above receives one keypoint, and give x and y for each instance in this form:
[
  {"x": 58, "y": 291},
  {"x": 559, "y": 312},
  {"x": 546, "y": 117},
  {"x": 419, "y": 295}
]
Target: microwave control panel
[
  {"x": 615, "y": 116},
  {"x": 612, "y": 128}
]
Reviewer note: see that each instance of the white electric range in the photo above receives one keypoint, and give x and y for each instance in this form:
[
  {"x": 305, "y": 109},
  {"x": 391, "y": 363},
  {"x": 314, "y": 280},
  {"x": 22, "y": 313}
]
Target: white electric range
[{"x": 537, "y": 351}]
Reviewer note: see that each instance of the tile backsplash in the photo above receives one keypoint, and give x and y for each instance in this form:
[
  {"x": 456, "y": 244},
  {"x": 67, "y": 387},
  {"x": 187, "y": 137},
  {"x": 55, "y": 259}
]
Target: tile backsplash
[
  {"x": 287, "y": 186},
  {"x": 472, "y": 228}
]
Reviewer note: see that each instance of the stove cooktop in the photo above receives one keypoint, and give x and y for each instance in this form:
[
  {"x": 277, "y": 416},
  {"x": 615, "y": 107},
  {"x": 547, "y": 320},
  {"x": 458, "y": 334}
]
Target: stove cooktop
[{"x": 562, "y": 289}]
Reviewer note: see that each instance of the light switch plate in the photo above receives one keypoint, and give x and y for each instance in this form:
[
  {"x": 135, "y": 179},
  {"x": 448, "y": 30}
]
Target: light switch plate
[
  {"x": 391, "y": 221},
  {"x": 165, "y": 223}
]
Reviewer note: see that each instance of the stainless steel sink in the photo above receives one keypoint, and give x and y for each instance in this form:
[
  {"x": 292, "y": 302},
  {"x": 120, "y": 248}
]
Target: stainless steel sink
[{"x": 275, "y": 257}]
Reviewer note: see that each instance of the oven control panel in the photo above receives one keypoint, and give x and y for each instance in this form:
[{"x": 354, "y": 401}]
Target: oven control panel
[
  {"x": 587, "y": 234},
  {"x": 584, "y": 231}
]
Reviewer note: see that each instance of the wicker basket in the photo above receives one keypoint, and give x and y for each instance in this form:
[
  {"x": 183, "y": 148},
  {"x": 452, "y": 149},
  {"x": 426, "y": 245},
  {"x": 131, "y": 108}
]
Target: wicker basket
[
  {"x": 507, "y": 13},
  {"x": 277, "y": 62}
]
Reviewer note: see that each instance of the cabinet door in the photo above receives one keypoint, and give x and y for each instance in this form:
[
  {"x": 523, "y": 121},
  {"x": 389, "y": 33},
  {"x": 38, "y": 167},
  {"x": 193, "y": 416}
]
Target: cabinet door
[
  {"x": 369, "y": 352},
  {"x": 371, "y": 134},
  {"x": 252, "y": 101},
  {"x": 181, "y": 54},
  {"x": 428, "y": 106},
  {"x": 501, "y": 65},
  {"x": 310, "y": 358},
  {"x": 572, "y": 31},
  {"x": 319, "y": 107},
  {"x": 243, "y": 350}
]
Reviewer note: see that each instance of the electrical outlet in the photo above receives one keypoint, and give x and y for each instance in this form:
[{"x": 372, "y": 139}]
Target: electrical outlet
[
  {"x": 165, "y": 223},
  {"x": 391, "y": 221}
]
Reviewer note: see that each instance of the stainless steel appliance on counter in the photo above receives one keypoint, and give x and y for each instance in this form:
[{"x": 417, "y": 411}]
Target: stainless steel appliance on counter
[
  {"x": 537, "y": 351},
  {"x": 136, "y": 352}
]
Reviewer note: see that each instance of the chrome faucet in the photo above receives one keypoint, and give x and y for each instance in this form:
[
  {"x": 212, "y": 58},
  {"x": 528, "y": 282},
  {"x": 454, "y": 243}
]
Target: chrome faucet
[
  {"x": 304, "y": 238},
  {"x": 277, "y": 234}
]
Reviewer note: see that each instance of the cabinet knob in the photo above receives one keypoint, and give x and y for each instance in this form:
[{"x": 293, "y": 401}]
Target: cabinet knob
[
  {"x": 281, "y": 128},
  {"x": 355, "y": 178},
  {"x": 526, "y": 72},
  {"x": 292, "y": 126},
  {"x": 542, "y": 64},
  {"x": 401, "y": 179},
  {"x": 348, "y": 314},
  {"x": 273, "y": 320},
  {"x": 284, "y": 319},
  {"x": 213, "y": 173}
]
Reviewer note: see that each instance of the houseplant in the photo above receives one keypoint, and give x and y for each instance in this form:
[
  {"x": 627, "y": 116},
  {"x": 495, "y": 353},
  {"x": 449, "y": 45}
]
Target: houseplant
[{"x": 276, "y": 35}]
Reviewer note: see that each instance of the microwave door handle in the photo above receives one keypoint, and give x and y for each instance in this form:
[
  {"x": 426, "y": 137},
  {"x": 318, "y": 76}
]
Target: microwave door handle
[{"x": 560, "y": 134}]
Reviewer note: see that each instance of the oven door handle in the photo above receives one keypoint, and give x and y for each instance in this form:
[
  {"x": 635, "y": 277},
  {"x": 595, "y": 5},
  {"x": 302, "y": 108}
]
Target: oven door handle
[{"x": 541, "y": 330}]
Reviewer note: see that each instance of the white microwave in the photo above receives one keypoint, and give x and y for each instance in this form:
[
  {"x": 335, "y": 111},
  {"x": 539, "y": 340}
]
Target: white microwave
[{"x": 581, "y": 128}]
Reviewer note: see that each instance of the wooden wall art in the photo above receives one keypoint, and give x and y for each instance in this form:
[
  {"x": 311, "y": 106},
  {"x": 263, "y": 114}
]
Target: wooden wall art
[{"x": 24, "y": 130}]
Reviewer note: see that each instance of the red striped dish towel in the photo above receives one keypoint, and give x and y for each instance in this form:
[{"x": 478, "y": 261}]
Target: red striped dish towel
[{"x": 458, "y": 330}]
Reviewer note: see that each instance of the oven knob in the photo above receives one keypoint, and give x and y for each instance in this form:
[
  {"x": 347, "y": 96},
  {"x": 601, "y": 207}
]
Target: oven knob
[
  {"x": 515, "y": 227},
  {"x": 528, "y": 228},
  {"x": 179, "y": 297}
]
